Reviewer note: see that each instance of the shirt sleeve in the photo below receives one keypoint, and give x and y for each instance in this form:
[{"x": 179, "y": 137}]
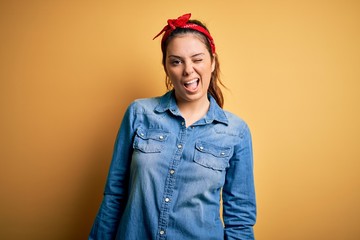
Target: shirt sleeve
[
  {"x": 239, "y": 204},
  {"x": 116, "y": 188}
]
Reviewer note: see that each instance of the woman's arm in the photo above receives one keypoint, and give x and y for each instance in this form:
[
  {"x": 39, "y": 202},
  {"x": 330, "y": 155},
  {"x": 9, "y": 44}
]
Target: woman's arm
[
  {"x": 115, "y": 194},
  {"x": 239, "y": 203}
]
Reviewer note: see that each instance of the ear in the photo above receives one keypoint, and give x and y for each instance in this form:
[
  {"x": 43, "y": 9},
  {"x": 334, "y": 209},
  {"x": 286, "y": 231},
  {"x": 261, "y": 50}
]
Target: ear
[
  {"x": 165, "y": 70},
  {"x": 213, "y": 62}
]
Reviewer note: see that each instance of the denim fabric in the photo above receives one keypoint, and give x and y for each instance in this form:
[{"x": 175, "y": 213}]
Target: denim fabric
[{"x": 165, "y": 179}]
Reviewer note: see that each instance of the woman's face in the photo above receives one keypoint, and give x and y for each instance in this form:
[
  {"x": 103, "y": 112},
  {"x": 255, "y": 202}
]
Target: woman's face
[{"x": 189, "y": 66}]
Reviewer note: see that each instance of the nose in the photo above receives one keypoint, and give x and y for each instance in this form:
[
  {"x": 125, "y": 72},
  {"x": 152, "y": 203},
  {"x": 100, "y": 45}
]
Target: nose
[{"x": 188, "y": 68}]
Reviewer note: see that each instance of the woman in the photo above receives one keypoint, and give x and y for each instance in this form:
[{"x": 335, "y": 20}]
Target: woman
[{"x": 175, "y": 154}]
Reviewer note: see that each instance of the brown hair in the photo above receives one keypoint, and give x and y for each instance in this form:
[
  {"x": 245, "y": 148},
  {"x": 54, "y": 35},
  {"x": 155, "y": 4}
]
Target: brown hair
[{"x": 214, "y": 88}]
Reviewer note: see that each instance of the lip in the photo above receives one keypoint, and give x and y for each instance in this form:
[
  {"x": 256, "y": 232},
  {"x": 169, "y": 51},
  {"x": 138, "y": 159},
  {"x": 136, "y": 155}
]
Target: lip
[
  {"x": 191, "y": 81},
  {"x": 192, "y": 85}
]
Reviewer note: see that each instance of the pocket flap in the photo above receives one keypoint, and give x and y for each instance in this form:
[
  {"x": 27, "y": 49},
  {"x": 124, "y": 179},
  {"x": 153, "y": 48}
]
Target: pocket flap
[
  {"x": 213, "y": 149},
  {"x": 212, "y": 156},
  {"x": 154, "y": 134}
]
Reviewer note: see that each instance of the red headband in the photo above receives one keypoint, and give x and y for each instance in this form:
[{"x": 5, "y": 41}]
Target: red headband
[{"x": 182, "y": 22}]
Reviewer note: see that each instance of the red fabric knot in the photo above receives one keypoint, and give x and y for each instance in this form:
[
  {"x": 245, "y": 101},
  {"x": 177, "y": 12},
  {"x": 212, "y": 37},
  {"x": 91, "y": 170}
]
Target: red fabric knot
[
  {"x": 182, "y": 22},
  {"x": 174, "y": 23}
]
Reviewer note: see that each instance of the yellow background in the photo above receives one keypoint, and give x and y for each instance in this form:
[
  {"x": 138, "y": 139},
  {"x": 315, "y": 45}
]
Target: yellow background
[{"x": 68, "y": 69}]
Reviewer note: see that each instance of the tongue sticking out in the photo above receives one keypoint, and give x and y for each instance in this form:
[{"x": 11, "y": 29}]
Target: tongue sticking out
[{"x": 192, "y": 85}]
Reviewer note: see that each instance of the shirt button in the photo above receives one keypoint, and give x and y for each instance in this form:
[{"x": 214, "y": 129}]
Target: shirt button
[
  {"x": 179, "y": 146},
  {"x": 183, "y": 123},
  {"x": 201, "y": 148},
  {"x": 172, "y": 171},
  {"x": 141, "y": 134},
  {"x": 162, "y": 232},
  {"x": 161, "y": 137},
  {"x": 222, "y": 154},
  {"x": 167, "y": 199}
]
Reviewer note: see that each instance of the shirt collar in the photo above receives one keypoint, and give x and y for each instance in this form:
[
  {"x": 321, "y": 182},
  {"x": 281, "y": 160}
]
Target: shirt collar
[{"x": 215, "y": 113}]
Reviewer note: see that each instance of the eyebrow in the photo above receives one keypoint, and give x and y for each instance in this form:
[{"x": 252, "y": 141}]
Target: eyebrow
[{"x": 195, "y": 55}]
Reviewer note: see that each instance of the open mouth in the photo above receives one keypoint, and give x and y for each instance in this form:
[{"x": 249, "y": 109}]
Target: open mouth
[{"x": 192, "y": 85}]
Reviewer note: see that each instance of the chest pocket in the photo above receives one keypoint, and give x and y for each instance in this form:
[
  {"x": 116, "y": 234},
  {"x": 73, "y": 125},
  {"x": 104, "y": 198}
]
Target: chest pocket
[
  {"x": 212, "y": 156},
  {"x": 150, "y": 140}
]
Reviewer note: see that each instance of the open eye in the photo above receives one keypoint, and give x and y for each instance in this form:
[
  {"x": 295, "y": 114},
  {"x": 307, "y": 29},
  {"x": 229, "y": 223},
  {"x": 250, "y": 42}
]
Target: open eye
[{"x": 175, "y": 61}]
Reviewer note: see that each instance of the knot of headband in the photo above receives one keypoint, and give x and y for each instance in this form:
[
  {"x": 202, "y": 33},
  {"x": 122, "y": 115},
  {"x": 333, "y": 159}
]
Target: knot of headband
[{"x": 182, "y": 22}]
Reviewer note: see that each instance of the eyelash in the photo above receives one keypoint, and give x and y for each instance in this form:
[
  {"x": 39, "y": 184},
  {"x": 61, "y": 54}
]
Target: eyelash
[{"x": 177, "y": 62}]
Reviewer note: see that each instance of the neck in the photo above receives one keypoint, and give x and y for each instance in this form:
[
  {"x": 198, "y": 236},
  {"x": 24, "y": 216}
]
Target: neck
[{"x": 193, "y": 111}]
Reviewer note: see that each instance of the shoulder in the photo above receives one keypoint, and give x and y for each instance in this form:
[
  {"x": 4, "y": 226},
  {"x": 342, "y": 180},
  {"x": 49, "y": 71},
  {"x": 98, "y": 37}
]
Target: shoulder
[
  {"x": 236, "y": 124},
  {"x": 143, "y": 105}
]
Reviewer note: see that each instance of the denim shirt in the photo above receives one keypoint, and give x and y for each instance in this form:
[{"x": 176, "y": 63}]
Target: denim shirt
[{"x": 166, "y": 180}]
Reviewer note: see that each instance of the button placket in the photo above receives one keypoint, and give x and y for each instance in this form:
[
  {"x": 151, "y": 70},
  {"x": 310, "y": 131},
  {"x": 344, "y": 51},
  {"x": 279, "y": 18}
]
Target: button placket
[{"x": 170, "y": 182}]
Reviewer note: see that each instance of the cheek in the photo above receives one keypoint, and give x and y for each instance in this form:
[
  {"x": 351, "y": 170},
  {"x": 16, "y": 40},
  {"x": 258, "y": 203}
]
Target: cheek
[
  {"x": 206, "y": 70},
  {"x": 173, "y": 73},
  {"x": 170, "y": 74}
]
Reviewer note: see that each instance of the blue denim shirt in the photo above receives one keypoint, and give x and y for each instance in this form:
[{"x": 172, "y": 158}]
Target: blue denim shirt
[{"x": 165, "y": 179}]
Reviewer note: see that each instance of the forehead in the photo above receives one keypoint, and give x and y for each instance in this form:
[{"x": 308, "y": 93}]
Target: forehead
[{"x": 186, "y": 43}]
